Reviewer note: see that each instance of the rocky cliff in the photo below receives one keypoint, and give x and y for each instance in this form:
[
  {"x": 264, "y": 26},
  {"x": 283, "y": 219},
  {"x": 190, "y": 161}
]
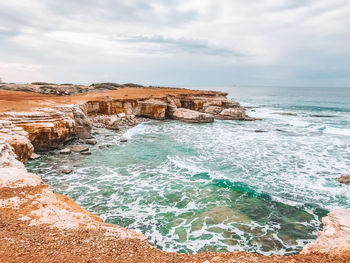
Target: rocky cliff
[
  {"x": 38, "y": 225},
  {"x": 59, "y": 122}
]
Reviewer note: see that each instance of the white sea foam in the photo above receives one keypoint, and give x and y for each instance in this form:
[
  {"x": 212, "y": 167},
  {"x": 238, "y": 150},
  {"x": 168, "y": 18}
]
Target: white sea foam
[{"x": 337, "y": 131}]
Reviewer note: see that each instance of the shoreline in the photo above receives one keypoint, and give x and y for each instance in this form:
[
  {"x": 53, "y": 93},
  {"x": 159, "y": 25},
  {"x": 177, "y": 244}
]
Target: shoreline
[{"x": 24, "y": 196}]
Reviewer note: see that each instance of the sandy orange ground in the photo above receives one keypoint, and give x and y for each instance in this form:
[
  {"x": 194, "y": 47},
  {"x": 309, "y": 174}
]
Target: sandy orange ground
[{"x": 28, "y": 101}]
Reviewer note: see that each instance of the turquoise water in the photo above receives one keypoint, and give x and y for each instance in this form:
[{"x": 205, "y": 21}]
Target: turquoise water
[{"x": 220, "y": 186}]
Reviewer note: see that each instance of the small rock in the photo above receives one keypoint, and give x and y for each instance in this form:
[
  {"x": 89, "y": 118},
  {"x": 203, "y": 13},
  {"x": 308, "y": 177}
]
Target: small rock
[
  {"x": 91, "y": 141},
  {"x": 101, "y": 147},
  {"x": 286, "y": 113},
  {"x": 67, "y": 171},
  {"x": 259, "y": 131},
  {"x": 78, "y": 148},
  {"x": 123, "y": 139},
  {"x": 86, "y": 153},
  {"x": 34, "y": 156},
  {"x": 344, "y": 179},
  {"x": 65, "y": 151},
  {"x": 108, "y": 145}
]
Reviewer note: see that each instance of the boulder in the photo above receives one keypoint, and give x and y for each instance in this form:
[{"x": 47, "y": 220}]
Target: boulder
[
  {"x": 234, "y": 114},
  {"x": 123, "y": 139},
  {"x": 34, "y": 156},
  {"x": 67, "y": 170},
  {"x": 344, "y": 179},
  {"x": 91, "y": 141},
  {"x": 66, "y": 151},
  {"x": 191, "y": 116}
]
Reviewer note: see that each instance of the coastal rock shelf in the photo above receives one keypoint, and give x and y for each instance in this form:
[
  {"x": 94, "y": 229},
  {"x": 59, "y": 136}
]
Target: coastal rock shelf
[{"x": 37, "y": 224}]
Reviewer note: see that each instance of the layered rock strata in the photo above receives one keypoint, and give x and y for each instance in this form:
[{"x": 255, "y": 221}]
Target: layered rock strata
[
  {"x": 17, "y": 138},
  {"x": 51, "y": 127}
]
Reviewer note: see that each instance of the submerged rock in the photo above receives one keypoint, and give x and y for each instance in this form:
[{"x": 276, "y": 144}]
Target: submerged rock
[
  {"x": 78, "y": 148},
  {"x": 286, "y": 113},
  {"x": 123, "y": 139},
  {"x": 259, "y": 131},
  {"x": 86, "y": 153},
  {"x": 344, "y": 179},
  {"x": 67, "y": 170},
  {"x": 91, "y": 141}
]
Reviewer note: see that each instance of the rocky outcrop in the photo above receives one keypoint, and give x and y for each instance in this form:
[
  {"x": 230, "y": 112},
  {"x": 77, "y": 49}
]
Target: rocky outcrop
[
  {"x": 187, "y": 115},
  {"x": 49, "y": 128},
  {"x": 83, "y": 126},
  {"x": 186, "y": 107},
  {"x": 335, "y": 237},
  {"x": 17, "y": 138},
  {"x": 234, "y": 114},
  {"x": 106, "y": 106},
  {"x": 46, "y": 128}
]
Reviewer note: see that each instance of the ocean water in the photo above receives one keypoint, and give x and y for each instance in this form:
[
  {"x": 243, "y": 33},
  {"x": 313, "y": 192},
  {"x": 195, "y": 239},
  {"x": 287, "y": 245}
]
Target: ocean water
[{"x": 220, "y": 186}]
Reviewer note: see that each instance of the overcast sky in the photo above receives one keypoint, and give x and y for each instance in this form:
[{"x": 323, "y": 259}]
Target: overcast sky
[{"x": 177, "y": 42}]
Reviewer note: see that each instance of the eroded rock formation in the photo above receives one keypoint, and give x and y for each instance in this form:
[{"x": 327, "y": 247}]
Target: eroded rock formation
[
  {"x": 335, "y": 237},
  {"x": 17, "y": 138}
]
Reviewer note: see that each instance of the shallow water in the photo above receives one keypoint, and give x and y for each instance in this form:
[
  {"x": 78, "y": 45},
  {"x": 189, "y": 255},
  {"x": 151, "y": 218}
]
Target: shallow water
[{"x": 220, "y": 186}]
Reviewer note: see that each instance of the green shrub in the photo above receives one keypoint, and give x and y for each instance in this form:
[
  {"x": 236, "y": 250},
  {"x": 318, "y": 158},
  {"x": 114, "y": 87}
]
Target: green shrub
[{"x": 133, "y": 85}]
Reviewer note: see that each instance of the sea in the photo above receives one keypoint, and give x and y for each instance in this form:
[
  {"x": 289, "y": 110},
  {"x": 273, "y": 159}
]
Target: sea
[{"x": 261, "y": 186}]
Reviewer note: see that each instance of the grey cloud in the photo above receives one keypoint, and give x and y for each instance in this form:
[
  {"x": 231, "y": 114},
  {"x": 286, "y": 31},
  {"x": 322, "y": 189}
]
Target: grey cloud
[{"x": 182, "y": 44}]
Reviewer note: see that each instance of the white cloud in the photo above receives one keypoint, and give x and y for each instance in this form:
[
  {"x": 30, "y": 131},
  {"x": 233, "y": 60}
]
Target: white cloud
[{"x": 223, "y": 37}]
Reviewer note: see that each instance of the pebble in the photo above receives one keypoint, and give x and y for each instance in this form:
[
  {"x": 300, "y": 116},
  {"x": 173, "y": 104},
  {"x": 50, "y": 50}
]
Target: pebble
[{"x": 67, "y": 171}]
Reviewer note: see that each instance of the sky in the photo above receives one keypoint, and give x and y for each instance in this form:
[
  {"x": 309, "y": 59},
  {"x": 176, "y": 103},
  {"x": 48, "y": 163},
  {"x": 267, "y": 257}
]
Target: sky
[{"x": 177, "y": 42}]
